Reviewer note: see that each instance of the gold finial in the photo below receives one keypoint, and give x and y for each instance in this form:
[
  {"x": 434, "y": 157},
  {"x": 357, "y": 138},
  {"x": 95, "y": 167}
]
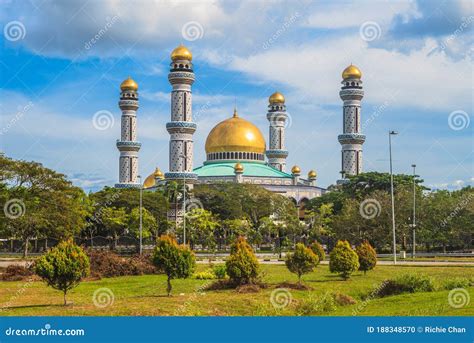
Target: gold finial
[
  {"x": 276, "y": 97},
  {"x": 235, "y": 113}
]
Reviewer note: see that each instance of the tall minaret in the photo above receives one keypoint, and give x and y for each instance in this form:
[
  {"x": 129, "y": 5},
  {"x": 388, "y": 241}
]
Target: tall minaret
[
  {"x": 277, "y": 117},
  {"x": 181, "y": 127},
  {"x": 352, "y": 138},
  {"x": 128, "y": 144}
]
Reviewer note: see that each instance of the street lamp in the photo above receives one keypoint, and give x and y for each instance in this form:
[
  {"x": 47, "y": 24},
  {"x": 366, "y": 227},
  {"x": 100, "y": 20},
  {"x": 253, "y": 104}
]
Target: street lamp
[
  {"x": 414, "y": 212},
  {"x": 141, "y": 214},
  {"x": 183, "y": 156},
  {"x": 390, "y": 134}
]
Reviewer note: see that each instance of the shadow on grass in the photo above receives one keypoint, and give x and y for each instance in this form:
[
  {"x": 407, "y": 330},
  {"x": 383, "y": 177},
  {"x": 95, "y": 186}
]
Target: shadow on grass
[{"x": 38, "y": 306}]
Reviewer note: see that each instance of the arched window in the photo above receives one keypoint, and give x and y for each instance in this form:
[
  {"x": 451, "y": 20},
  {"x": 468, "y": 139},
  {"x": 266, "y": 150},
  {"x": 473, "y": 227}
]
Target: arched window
[
  {"x": 175, "y": 66},
  {"x": 352, "y": 83},
  {"x": 181, "y": 66},
  {"x": 240, "y": 155}
]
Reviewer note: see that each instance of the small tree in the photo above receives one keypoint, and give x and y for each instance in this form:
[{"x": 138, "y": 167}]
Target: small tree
[
  {"x": 343, "y": 259},
  {"x": 176, "y": 261},
  {"x": 63, "y": 266},
  {"x": 367, "y": 256},
  {"x": 318, "y": 250},
  {"x": 242, "y": 264},
  {"x": 302, "y": 261}
]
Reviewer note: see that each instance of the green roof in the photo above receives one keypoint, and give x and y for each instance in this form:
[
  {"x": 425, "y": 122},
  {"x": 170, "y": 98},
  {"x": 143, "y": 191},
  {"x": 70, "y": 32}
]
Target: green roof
[{"x": 250, "y": 169}]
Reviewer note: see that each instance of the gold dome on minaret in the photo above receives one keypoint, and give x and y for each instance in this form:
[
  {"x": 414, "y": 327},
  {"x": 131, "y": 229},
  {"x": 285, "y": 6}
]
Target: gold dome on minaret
[
  {"x": 276, "y": 97},
  {"x": 129, "y": 84},
  {"x": 235, "y": 134},
  {"x": 181, "y": 53},
  {"x": 351, "y": 72}
]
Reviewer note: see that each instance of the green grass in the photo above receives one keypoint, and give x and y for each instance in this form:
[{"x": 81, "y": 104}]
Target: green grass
[{"x": 145, "y": 295}]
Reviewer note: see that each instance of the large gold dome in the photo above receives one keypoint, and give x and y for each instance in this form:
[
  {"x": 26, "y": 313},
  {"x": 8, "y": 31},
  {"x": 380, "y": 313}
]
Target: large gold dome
[{"x": 235, "y": 134}]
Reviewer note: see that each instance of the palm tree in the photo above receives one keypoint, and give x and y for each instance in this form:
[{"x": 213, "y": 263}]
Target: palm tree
[{"x": 173, "y": 191}]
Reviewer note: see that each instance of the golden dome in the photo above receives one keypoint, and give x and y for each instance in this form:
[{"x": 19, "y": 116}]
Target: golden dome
[
  {"x": 235, "y": 134},
  {"x": 129, "y": 84},
  {"x": 295, "y": 170},
  {"x": 312, "y": 174},
  {"x": 150, "y": 181},
  {"x": 181, "y": 53},
  {"x": 276, "y": 97},
  {"x": 238, "y": 168},
  {"x": 351, "y": 72}
]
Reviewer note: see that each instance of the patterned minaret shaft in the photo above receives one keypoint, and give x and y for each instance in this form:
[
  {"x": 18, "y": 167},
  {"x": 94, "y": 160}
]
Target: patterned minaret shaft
[
  {"x": 277, "y": 118},
  {"x": 181, "y": 127},
  {"x": 128, "y": 144},
  {"x": 352, "y": 139}
]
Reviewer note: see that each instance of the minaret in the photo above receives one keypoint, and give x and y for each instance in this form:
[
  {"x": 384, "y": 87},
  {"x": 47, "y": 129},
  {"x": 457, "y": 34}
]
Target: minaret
[
  {"x": 181, "y": 127},
  {"x": 352, "y": 139},
  {"x": 128, "y": 144},
  {"x": 277, "y": 117}
]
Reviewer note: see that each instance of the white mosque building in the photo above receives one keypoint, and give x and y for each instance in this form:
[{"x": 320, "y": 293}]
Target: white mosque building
[{"x": 236, "y": 150}]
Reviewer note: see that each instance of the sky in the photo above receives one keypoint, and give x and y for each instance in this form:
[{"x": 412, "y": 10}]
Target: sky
[{"x": 62, "y": 63}]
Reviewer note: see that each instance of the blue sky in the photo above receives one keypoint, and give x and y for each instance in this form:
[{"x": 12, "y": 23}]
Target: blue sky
[{"x": 63, "y": 61}]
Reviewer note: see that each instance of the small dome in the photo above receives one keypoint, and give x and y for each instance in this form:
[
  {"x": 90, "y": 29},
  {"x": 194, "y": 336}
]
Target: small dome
[
  {"x": 150, "y": 181},
  {"x": 129, "y": 84},
  {"x": 276, "y": 97},
  {"x": 295, "y": 170},
  {"x": 181, "y": 53},
  {"x": 312, "y": 174},
  {"x": 351, "y": 72},
  {"x": 238, "y": 168}
]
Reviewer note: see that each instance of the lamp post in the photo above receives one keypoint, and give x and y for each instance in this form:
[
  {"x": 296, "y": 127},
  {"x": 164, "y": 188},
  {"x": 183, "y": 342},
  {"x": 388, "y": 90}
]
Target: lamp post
[
  {"x": 141, "y": 215},
  {"x": 414, "y": 212},
  {"x": 390, "y": 134},
  {"x": 183, "y": 156}
]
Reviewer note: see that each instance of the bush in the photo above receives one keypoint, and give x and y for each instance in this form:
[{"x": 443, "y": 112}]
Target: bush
[
  {"x": 313, "y": 305},
  {"x": 407, "y": 283},
  {"x": 460, "y": 282},
  {"x": 63, "y": 266},
  {"x": 343, "y": 259},
  {"x": 302, "y": 261},
  {"x": 108, "y": 264},
  {"x": 220, "y": 271},
  {"x": 242, "y": 265},
  {"x": 15, "y": 272},
  {"x": 367, "y": 256},
  {"x": 318, "y": 250},
  {"x": 176, "y": 261},
  {"x": 343, "y": 299},
  {"x": 205, "y": 275}
]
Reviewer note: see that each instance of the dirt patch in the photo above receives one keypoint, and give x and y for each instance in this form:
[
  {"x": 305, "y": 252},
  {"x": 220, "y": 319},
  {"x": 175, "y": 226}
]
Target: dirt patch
[{"x": 290, "y": 285}]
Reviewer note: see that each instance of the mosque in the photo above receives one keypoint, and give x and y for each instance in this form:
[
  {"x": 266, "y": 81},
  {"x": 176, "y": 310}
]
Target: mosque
[{"x": 236, "y": 150}]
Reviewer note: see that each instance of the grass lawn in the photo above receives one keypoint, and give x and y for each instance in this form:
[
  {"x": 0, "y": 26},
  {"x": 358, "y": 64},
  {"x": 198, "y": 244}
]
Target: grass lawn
[{"x": 145, "y": 296}]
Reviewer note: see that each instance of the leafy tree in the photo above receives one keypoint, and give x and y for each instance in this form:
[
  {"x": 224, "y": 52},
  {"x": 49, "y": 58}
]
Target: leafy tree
[
  {"x": 149, "y": 224},
  {"x": 115, "y": 221},
  {"x": 302, "y": 261},
  {"x": 367, "y": 256},
  {"x": 201, "y": 224},
  {"x": 242, "y": 265},
  {"x": 343, "y": 260},
  {"x": 173, "y": 192},
  {"x": 63, "y": 266},
  {"x": 176, "y": 261},
  {"x": 318, "y": 250}
]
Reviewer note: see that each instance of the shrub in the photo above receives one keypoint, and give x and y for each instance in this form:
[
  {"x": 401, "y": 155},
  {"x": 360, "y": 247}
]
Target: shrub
[
  {"x": 313, "y": 305},
  {"x": 318, "y": 250},
  {"x": 343, "y": 299},
  {"x": 205, "y": 275},
  {"x": 63, "y": 266},
  {"x": 367, "y": 256},
  {"x": 302, "y": 261},
  {"x": 108, "y": 264},
  {"x": 460, "y": 282},
  {"x": 343, "y": 259},
  {"x": 220, "y": 271},
  {"x": 176, "y": 261},
  {"x": 242, "y": 265},
  {"x": 15, "y": 272},
  {"x": 407, "y": 283}
]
